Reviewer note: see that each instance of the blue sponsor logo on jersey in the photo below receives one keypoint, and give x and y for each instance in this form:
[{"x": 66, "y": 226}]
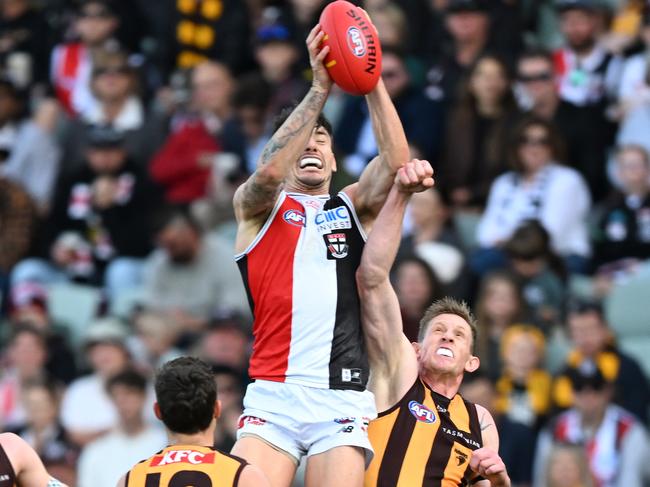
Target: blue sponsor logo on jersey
[
  {"x": 421, "y": 412},
  {"x": 336, "y": 214},
  {"x": 295, "y": 217}
]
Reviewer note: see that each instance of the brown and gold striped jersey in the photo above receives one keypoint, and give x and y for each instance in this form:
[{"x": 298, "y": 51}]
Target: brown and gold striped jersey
[
  {"x": 425, "y": 439},
  {"x": 184, "y": 465},
  {"x": 7, "y": 474}
]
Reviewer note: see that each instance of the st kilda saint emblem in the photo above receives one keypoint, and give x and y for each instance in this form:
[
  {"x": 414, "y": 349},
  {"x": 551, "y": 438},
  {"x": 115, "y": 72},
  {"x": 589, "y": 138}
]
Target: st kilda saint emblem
[{"x": 336, "y": 244}]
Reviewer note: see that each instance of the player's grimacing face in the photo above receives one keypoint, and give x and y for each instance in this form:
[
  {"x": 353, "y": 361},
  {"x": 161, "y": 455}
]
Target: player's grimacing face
[
  {"x": 316, "y": 163},
  {"x": 447, "y": 346}
]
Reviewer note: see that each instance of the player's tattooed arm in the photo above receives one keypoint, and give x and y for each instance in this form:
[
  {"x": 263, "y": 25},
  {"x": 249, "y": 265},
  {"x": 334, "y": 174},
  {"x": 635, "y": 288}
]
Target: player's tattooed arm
[
  {"x": 486, "y": 421},
  {"x": 255, "y": 198}
]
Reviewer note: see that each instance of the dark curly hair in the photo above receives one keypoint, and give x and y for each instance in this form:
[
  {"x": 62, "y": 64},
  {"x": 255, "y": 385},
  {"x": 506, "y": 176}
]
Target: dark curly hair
[{"x": 186, "y": 392}]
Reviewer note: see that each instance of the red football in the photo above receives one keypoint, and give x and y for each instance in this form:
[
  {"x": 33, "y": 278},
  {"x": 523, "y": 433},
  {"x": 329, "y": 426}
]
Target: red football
[{"x": 354, "y": 60}]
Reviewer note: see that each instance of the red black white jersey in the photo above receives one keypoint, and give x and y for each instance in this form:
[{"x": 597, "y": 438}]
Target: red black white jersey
[{"x": 299, "y": 274}]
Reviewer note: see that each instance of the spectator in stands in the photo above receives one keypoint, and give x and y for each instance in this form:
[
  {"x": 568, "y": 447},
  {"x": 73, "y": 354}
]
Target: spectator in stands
[
  {"x": 226, "y": 342},
  {"x": 18, "y": 217},
  {"x": 24, "y": 358},
  {"x": 29, "y": 306},
  {"x": 43, "y": 431},
  {"x": 231, "y": 395},
  {"x": 634, "y": 88},
  {"x": 25, "y": 43},
  {"x": 587, "y": 77},
  {"x": 115, "y": 86},
  {"x": 155, "y": 337},
  {"x": 72, "y": 63},
  {"x": 477, "y": 131},
  {"x": 184, "y": 163},
  {"x": 499, "y": 305},
  {"x": 625, "y": 223},
  {"x": 468, "y": 23},
  {"x": 615, "y": 442},
  {"x": 594, "y": 348},
  {"x": 416, "y": 286},
  {"x": 191, "y": 274},
  {"x": 422, "y": 118},
  {"x": 277, "y": 55},
  {"x": 538, "y": 188},
  {"x": 103, "y": 461},
  {"x": 516, "y": 441},
  {"x": 432, "y": 237},
  {"x": 87, "y": 411},
  {"x": 568, "y": 467},
  {"x": 28, "y": 147},
  {"x": 99, "y": 229},
  {"x": 196, "y": 32},
  {"x": 540, "y": 273},
  {"x": 535, "y": 85},
  {"x": 524, "y": 387}
]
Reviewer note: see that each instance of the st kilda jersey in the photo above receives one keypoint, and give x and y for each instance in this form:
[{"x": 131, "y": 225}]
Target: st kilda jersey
[
  {"x": 299, "y": 274},
  {"x": 183, "y": 465}
]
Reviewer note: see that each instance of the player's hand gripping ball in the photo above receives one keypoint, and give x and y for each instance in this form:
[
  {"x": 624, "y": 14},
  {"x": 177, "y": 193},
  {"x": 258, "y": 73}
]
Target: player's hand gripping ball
[{"x": 354, "y": 60}]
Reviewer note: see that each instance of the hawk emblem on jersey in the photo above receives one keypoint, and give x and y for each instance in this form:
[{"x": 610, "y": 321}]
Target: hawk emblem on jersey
[
  {"x": 461, "y": 457},
  {"x": 421, "y": 412},
  {"x": 337, "y": 246},
  {"x": 295, "y": 217}
]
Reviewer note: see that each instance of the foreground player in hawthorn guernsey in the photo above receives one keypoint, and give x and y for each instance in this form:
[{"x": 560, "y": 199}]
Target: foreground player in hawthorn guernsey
[
  {"x": 20, "y": 465},
  {"x": 299, "y": 250},
  {"x": 426, "y": 433},
  {"x": 186, "y": 403}
]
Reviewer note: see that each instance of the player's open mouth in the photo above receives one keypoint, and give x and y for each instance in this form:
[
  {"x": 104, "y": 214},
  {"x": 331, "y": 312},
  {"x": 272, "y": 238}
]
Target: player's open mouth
[
  {"x": 445, "y": 352},
  {"x": 311, "y": 162}
]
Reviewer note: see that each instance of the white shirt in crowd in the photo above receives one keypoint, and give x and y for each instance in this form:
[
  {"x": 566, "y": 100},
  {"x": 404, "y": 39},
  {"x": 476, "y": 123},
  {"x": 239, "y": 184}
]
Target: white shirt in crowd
[
  {"x": 558, "y": 197},
  {"x": 106, "y": 459}
]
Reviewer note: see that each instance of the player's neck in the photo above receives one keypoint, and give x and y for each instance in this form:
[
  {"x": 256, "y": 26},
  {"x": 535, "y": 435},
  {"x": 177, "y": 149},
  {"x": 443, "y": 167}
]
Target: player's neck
[
  {"x": 202, "y": 438},
  {"x": 445, "y": 384},
  {"x": 298, "y": 187}
]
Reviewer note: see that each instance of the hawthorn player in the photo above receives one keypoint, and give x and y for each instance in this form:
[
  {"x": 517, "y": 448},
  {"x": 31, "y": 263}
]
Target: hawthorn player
[{"x": 186, "y": 402}]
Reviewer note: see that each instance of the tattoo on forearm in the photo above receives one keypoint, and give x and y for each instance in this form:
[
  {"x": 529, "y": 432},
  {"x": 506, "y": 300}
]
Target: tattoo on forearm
[
  {"x": 304, "y": 113},
  {"x": 256, "y": 194}
]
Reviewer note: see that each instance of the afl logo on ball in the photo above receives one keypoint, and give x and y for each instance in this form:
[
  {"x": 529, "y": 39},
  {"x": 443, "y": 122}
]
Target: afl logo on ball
[
  {"x": 421, "y": 412},
  {"x": 355, "y": 42}
]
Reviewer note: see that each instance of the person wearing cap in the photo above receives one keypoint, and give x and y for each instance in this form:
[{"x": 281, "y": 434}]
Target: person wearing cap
[
  {"x": 587, "y": 77},
  {"x": 594, "y": 347},
  {"x": 86, "y": 409},
  {"x": 468, "y": 22},
  {"x": 98, "y": 232},
  {"x": 616, "y": 443},
  {"x": 114, "y": 84},
  {"x": 277, "y": 55},
  {"x": 72, "y": 63}
]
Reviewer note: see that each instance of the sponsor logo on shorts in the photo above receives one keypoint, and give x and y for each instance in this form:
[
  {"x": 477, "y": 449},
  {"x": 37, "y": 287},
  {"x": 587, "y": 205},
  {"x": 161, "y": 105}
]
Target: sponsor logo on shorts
[
  {"x": 347, "y": 420},
  {"x": 251, "y": 420},
  {"x": 421, "y": 412},
  {"x": 182, "y": 456},
  {"x": 347, "y": 429},
  {"x": 295, "y": 217},
  {"x": 356, "y": 42}
]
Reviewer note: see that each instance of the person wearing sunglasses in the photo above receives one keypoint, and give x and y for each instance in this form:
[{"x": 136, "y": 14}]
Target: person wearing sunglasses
[{"x": 536, "y": 188}]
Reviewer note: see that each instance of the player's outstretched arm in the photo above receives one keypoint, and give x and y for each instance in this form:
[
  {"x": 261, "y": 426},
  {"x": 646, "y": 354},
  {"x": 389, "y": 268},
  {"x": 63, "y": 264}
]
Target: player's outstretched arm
[
  {"x": 485, "y": 461},
  {"x": 377, "y": 178},
  {"x": 393, "y": 362},
  {"x": 28, "y": 467},
  {"x": 256, "y": 197}
]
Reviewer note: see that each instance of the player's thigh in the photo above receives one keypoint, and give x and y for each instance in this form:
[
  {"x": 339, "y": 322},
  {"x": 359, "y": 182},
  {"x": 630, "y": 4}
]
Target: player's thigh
[
  {"x": 278, "y": 467},
  {"x": 340, "y": 466}
]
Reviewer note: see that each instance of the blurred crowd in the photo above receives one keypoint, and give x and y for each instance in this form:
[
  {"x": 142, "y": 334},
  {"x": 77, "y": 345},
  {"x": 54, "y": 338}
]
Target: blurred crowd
[{"x": 127, "y": 125}]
